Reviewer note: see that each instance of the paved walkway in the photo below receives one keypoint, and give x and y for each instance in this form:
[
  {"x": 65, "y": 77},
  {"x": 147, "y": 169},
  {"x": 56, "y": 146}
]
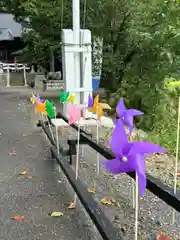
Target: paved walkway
[{"x": 33, "y": 197}]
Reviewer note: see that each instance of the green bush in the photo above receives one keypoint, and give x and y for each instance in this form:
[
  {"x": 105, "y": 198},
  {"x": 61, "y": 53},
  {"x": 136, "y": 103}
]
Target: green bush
[
  {"x": 160, "y": 107},
  {"x": 165, "y": 127}
]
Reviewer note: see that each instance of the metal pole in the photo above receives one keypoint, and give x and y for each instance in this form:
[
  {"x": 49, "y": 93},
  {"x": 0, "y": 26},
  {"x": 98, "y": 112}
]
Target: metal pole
[{"x": 76, "y": 36}]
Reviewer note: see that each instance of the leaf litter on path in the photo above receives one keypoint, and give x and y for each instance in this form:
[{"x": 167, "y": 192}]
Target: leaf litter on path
[
  {"x": 56, "y": 214},
  {"x": 91, "y": 190},
  {"x": 18, "y": 218},
  {"x": 72, "y": 205},
  {"x": 27, "y": 134},
  {"x": 29, "y": 177},
  {"x": 23, "y": 172},
  {"x": 107, "y": 201},
  {"x": 13, "y": 153},
  {"x": 161, "y": 236}
]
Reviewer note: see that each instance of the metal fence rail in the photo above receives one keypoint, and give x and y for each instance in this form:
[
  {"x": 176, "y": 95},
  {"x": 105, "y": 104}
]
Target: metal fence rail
[
  {"x": 104, "y": 226},
  {"x": 102, "y": 223}
]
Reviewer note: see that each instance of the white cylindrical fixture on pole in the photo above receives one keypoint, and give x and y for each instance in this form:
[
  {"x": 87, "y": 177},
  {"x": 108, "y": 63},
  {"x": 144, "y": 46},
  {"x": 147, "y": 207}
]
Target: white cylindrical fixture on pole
[
  {"x": 76, "y": 38},
  {"x": 8, "y": 77},
  {"x": 25, "y": 80}
]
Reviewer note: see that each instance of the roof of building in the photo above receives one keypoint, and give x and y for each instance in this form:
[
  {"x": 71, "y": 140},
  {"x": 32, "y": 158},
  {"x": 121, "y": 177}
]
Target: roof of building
[
  {"x": 6, "y": 35},
  {"x": 8, "y": 26}
]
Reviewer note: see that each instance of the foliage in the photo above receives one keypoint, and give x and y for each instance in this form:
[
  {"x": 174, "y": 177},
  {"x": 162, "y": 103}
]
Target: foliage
[
  {"x": 140, "y": 49},
  {"x": 141, "y": 40},
  {"x": 42, "y": 21}
]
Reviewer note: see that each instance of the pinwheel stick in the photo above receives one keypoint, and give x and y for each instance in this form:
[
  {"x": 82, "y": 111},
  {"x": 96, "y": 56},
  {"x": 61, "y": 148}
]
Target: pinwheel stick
[
  {"x": 57, "y": 135},
  {"x": 50, "y": 129},
  {"x": 136, "y": 208},
  {"x": 77, "y": 159},
  {"x": 97, "y": 138},
  {"x": 133, "y": 183},
  {"x": 176, "y": 161}
]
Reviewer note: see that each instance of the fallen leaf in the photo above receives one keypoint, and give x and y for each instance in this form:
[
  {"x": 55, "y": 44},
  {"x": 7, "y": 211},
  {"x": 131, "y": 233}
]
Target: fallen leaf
[
  {"x": 72, "y": 205},
  {"x": 107, "y": 201},
  {"x": 91, "y": 190},
  {"x": 23, "y": 173},
  {"x": 178, "y": 174},
  {"x": 159, "y": 161},
  {"x": 161, "y": 236},
  {"x": 27, "y": 134},
  {"x": 18, "y": 218},
  {"x": 32, "y": 146},
  {"x": 56, "y": 214},
  {"x": 13, "y": 153},
  {"x": 29, "y": 177}
]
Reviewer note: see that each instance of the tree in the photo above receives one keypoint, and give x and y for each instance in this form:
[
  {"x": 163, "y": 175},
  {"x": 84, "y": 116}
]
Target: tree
[
  {"x": 43, "y": 21},
  {"x": 141, "y": 40}
]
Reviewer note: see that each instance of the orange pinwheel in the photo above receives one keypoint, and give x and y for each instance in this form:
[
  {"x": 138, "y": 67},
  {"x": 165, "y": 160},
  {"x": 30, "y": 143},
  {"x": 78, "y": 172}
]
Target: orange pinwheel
[
  {"x": 40, "y": 107},
  {"x": 97, "y": 107}
]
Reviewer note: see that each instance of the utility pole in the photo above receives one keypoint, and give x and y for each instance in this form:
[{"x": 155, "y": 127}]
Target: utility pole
[
  {"x": 76, "y": 38},
  {"x": 76, "y": 57}
]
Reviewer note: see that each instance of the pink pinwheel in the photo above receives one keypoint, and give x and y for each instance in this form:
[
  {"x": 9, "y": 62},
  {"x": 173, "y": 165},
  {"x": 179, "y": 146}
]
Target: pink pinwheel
[
  {"x": 129, "y": 155},
  {"x": 90, "y": 101},
  {"x": 74, "y": 112},
  {"x": 126, "y": 115}
]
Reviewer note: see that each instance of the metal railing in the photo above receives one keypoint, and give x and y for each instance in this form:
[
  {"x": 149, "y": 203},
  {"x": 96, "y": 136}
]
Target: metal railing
[{"x": 104, "y": 226}]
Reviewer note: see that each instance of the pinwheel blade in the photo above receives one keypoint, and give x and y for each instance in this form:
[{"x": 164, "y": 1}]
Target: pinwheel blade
[
  {"x": 134, "y": 112},
  {"x": 118, "y": 139},
  {"x": 120, "y": 108},
  {"x": 113, "y": 166},
  {"x": 117, "y": 166},
  {"x": 90, "y": 101},
  {"x": 145, "y": 148},
  {"x": 141, "y": 172},
  {"x": 128, "y": 121}
]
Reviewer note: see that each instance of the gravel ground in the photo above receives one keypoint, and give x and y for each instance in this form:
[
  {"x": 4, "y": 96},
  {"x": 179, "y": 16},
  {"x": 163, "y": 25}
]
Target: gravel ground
[
  {"x": 45, "y": 191},
  {"x": 154, "y": 214}
]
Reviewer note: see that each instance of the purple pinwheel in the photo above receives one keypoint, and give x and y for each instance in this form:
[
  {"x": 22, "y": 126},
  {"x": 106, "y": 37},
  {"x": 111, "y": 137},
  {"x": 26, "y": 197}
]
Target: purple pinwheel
[
  {"x": 126, "y": 115},
  {"x": 129, "y": 155},
  {"x": 90, "y": 101},
  {"x": 37, "y": 98}
]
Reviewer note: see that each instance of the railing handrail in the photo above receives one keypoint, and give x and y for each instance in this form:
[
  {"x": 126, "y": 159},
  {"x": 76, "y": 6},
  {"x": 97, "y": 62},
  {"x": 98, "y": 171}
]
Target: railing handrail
[{"x": 154, "y": 185}]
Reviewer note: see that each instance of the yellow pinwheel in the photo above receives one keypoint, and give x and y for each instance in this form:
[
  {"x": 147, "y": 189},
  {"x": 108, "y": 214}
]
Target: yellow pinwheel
[
  {"x": 98, "y": 107},
  {"x": 71, "y": 98}
]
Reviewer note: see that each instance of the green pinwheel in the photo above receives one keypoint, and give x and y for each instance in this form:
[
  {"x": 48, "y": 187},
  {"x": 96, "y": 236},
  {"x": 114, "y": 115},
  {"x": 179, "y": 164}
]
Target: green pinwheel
[
  {"x": 50, "y": 109},
  {"x": 63, "y": 97}
]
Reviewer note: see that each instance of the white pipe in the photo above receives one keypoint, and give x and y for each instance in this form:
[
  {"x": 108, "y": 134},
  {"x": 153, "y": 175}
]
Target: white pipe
[
  {"x": 8, "y": 77},
  {"x": 25, "y": 80},
  {"x": 76, "y": 21},
  {"x": 76, "y": 40}
]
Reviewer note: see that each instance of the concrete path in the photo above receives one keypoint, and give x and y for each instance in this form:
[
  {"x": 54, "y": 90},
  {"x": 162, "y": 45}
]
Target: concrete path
[{"x": 33, "y": 197}]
